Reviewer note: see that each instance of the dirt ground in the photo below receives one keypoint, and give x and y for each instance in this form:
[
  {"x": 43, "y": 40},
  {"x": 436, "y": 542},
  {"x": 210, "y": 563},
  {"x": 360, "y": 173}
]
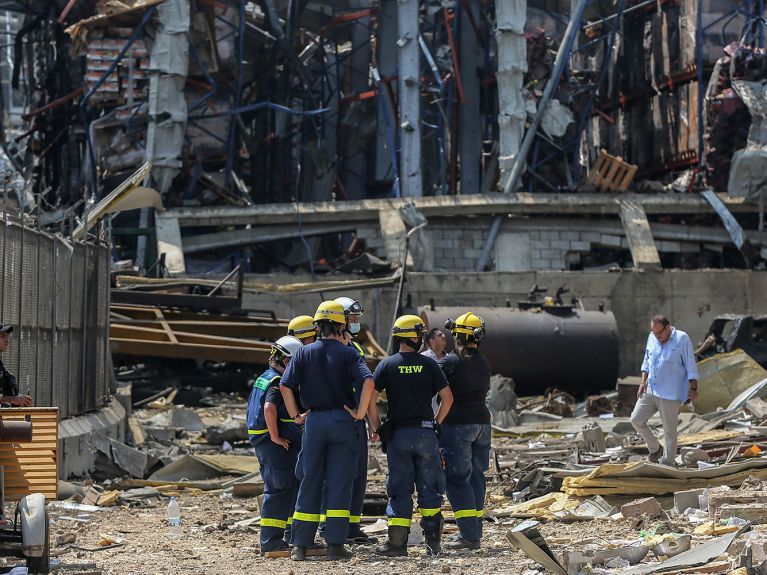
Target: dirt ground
[{"x": 210, "y": 546}]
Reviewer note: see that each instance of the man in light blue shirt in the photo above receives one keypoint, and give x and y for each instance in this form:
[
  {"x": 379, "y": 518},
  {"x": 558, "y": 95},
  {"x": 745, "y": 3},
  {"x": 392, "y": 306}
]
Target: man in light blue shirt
[{"x": 669, "y": 378}]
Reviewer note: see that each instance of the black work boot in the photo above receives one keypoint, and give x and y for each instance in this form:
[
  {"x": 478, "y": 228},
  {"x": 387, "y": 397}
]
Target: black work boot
[
  {"x": 338, "y": 553},
  {"x": 298, "y": 553},
  {"x": 396, "y": 546},
  {"x": 433, "y": 536}
]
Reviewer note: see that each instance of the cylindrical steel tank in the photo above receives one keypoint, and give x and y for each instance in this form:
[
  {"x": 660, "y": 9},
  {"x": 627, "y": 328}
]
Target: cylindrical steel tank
[{"x": 563, "y": 347}]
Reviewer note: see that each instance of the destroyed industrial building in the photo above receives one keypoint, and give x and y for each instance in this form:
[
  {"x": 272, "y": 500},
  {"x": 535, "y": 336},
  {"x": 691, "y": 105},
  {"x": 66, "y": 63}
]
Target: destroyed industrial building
[{"x": 180, "y": 177}]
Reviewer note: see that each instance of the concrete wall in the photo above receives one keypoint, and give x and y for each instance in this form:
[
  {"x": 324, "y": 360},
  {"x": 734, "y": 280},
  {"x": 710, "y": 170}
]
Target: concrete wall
[
  {"x": 538, "y": 243},
  {"x": 690, "y": 298}
]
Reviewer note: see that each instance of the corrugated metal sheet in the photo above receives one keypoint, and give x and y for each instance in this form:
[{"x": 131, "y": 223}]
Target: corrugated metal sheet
[{"x": 57, "y": 297}]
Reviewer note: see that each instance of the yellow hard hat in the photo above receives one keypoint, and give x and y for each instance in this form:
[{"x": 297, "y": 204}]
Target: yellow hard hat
[
  {"x": 408, "y": 326},
  {"x": 302, "y": 327},
  {"x": 330, "y": 311},
  {"x": 467, "y": 324},
  {"x": 549, "y": 301}
]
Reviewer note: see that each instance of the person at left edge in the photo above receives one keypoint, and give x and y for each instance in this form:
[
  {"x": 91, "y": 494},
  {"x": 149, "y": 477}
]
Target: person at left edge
[
  {"x": 354, "y": 313},
  {"x": 325, "y": 373},
  {"x": 276, "y": 439},
  {"x": 410, "y": 380},
  {"x": 10, "y": 387}
]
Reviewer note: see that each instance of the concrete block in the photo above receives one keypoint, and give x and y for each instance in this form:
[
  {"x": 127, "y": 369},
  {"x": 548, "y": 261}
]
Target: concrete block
[
  {"x": 445, "y": 243},
  {"x": 756, "y": 513},
  {"x": 549, "y": 235},
  {"x": 580, "y": 246},
  {"x": 540, "y": 244},
  {"x": 540, "y": 264},
  {"x": 472, "y": 253},
  {"x": 186, "y": 418},
  {"x": 592, "y": 237},
  {"x": 439, "y": 253},
  {"x": 563, "y": 245},
  {"x": 553, "y": 254},
  {"x": 685, "y": 499},
  {"x": 648, "y": 506},
  {"x": 733, "y": 499},
  {"x": 570, "y": 236},
  {"x": 534, "y": 235},
  {"x": 608, "y": 240}
]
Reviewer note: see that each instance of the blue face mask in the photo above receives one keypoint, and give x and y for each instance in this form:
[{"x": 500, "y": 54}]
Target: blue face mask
[{"x": 354, "y": 328}]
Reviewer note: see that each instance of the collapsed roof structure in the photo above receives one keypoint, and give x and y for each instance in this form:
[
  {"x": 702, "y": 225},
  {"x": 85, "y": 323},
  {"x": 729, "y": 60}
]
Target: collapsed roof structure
[{"x": 241, "y": 104}]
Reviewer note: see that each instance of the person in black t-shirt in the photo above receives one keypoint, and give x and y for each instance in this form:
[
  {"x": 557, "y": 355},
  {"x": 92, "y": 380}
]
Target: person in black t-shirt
[
  {"x": 465, "y": 437},
  {"x": 410, "y": 381},
  {"x": 8, "y": 384}
]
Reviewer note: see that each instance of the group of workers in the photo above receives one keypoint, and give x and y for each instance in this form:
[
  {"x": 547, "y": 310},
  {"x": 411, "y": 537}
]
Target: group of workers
[{"x": 311, "y": 413}]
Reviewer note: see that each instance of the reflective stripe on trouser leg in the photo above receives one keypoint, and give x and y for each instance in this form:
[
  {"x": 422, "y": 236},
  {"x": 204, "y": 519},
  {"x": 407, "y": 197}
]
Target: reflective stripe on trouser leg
[
  {"x": 400, "y": 482},
  {"x": 328, "y": 451},
  {"x": 280, "y": 484},
  {"x": 359, "y": 487},
  {"x": 456, "y": 442},
  {"x": 480, "y": 461},
  {"x": 429, "y": 479}
]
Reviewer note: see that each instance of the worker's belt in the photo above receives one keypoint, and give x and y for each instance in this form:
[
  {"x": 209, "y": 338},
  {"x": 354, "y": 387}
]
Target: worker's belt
[
  {"x": 327, "y": 408},
  {"x": 262, "y": 431},
  {"x": 413, "y": 423}
]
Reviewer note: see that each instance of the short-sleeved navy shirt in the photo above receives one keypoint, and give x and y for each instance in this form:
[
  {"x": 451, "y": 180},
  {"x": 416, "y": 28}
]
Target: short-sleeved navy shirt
[
  {"x": 326, "y": 373},
  {"x": 410, "y": 380},
  {"x": 470, "y": 383}
]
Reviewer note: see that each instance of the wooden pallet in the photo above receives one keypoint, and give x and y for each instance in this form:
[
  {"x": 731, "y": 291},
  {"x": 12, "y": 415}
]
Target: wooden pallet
[
  {"x": 32, "y": 467},
  {"x": 611, "y": 174}
]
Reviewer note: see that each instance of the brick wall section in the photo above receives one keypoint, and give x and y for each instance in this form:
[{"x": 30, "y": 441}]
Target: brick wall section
[{"x": 458, "y": 243}]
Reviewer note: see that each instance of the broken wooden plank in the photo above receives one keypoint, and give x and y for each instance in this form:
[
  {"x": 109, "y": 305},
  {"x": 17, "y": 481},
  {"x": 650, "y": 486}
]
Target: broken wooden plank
[{"x": 641, "y": 243}]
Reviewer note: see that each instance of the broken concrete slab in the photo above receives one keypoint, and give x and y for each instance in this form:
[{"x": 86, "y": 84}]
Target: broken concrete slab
[
  {"x": 594, "y": 438},
  {"x": 162, "y": 434},
  {"x": 186, "y": 418},
  {"x": 230, "y": 430},
  {"x": 754, "y": 513},
  {"x": 683, "y": 500},
  {"x": 648, "y": 507},
  {"x": 757, "y": 406}
]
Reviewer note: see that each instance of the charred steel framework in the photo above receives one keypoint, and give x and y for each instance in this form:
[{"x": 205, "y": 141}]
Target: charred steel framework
[{"x": 324, "y": 118}]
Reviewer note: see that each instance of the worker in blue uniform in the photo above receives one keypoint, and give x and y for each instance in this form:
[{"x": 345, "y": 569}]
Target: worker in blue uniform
[
  {"x": 465, "y": 433},
  {"x": 325, "y": 373},
  {"x": 410, "y": 435},
  {"x": 354, "y": 313},
  {"x": 276, "y": 438}
]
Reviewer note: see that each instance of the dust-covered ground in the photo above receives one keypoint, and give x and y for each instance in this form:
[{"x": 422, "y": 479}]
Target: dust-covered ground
[{"x": 210, "y": 544}]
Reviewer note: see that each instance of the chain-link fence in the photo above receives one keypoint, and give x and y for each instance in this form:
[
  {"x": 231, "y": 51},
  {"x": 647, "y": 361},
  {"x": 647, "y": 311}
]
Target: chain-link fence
[{"x": 56, "y": 295}]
